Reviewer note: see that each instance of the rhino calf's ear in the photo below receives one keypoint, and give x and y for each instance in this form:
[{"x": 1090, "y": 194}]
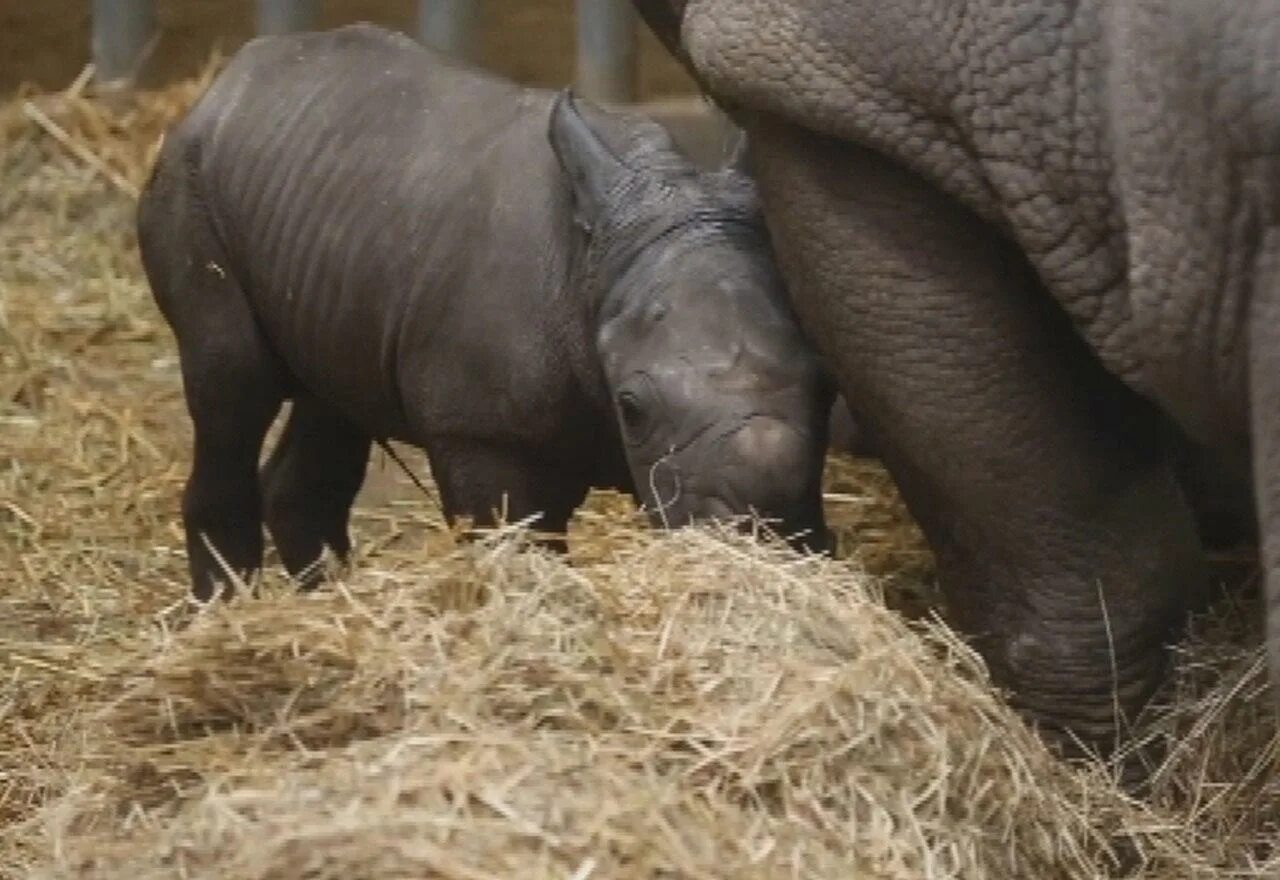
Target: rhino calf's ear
[{"x": 595, "y": 174}]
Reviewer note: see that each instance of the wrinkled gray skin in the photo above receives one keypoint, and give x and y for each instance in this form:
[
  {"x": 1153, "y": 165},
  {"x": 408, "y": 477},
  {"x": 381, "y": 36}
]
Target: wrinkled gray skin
[
  {"x": 1219, "y": 491},
  {"x": 1033, "y": 239},
  {"x": 544, "y": 300}
]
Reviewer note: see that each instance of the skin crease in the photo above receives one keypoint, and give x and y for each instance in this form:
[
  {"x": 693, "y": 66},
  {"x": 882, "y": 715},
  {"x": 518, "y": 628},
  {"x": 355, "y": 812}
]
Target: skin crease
[
  {"x": 1219, "y": 491},
  {"x": 543, "y": 298},
  {"x": 844, "y": 434},
  {"x": 1033, "y": 240}
]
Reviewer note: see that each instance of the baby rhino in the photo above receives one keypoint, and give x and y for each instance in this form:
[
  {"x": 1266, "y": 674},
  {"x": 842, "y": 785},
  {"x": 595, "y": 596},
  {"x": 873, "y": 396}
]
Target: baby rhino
[{"x": 543, "y": 296}]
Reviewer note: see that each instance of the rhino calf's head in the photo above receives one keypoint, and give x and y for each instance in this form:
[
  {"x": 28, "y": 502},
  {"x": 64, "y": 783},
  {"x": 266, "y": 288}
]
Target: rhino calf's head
[{"x": 721, "y": 403}]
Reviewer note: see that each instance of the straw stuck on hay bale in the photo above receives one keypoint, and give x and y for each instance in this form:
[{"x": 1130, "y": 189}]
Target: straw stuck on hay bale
[
  {"x": 689, "y": 705},
  {"x": 698, "y": 705}
]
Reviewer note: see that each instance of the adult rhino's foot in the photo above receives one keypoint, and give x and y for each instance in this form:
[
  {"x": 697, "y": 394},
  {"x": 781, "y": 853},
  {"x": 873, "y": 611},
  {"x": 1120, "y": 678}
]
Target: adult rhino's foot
[
  {"x": 1080, "y": 639},
  {"x": 1082, "y": 690},
  {"x": 1096, "y": 723}
]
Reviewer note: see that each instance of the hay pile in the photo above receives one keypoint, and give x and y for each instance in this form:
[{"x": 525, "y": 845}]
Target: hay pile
[{"x": 686, "y": 705}]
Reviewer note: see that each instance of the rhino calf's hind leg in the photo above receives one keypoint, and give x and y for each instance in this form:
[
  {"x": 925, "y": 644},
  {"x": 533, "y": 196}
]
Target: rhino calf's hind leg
[
  {"x": 232, "y": 382},
  {"x": 479, "y": 481},
  {"x": 309, "y": 484},
  {"x": 233, "y": 394}
]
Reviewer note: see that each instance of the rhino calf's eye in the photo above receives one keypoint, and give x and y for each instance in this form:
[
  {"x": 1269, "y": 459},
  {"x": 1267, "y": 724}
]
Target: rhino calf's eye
[{"x": 630, "y": 410}]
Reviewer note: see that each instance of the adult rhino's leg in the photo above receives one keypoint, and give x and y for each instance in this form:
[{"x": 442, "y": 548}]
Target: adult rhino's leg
[
  {"x": 1064, "y": 544},
  {"x": 489, "y": 482},
  {"x": 1221, "y": 493},
  {"x": 309, "y": 484},
  {"x": 1264, "y": 404}
]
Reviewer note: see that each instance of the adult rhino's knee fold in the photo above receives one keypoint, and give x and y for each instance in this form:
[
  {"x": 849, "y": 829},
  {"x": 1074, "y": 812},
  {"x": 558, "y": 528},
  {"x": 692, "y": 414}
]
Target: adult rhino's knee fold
[
  {"x": 1082, "y": 679},
  {"x": 1080, "y": 638}
]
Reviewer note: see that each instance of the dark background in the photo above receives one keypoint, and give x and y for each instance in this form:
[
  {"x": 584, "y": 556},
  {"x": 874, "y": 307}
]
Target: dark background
[{"x": 46, "y": 42}]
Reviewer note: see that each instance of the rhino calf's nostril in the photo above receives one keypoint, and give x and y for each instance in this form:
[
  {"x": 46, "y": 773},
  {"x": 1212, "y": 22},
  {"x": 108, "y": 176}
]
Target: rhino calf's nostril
[{"x": 765, "y": 442}]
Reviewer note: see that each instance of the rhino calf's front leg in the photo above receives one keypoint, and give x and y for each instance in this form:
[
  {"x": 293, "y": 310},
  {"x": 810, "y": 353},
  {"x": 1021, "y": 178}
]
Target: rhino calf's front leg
[{"x": 489, "y": 482}]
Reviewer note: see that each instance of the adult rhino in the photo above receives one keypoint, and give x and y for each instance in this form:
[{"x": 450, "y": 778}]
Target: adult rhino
[
  {"x": 1033, "y": 239},
  {"x": 544, "y": 297}
]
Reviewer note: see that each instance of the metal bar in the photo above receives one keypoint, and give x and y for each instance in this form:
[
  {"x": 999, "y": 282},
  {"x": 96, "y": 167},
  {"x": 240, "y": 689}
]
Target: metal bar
[
  {"x": 700, "y": 130},
  {"x": 451, "y": 26},
  {"x": 286, "y": 16},
  {"x": 122, "y": 30},
  {"x": 607, "y": 54}
]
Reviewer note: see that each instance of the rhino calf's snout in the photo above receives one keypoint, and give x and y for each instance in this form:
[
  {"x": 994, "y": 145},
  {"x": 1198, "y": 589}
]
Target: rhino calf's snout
[
  {"x": 764, "y": 443},
  {"x": 770, "y": 463}
]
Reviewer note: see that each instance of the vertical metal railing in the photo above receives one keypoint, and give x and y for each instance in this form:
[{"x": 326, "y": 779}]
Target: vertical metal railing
[
  {"x": 451, "y": 26},
  {"x": 606, "y": 64},
  {"x": 122, "y": 31},
  {"x": 286, "y": 16}
]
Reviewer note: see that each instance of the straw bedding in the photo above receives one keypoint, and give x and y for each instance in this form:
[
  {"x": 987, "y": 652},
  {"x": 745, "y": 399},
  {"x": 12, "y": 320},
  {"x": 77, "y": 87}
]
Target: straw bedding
[{"x": 696, "y": 704}]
